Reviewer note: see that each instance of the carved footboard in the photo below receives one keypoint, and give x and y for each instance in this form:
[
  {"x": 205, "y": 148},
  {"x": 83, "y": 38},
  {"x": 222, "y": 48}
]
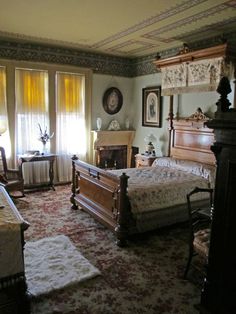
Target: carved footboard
[{"x": 103, "y": 195}]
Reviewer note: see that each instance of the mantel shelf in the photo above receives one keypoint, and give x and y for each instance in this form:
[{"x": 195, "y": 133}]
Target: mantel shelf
[{"x": 109, "y": 138}]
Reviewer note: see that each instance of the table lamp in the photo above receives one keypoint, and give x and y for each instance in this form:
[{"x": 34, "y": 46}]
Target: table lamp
[{"x": 149, "y": 139}]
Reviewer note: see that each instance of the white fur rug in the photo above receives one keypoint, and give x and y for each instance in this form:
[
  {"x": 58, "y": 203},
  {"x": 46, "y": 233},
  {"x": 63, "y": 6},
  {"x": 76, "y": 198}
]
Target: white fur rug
[{"x": 54, "y": 263}]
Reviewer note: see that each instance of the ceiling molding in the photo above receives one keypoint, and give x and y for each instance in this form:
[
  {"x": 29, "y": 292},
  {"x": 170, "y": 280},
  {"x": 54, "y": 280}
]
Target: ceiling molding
[
  {"x": 122, "y": 29},
  {"x": 100, "y": 63}
]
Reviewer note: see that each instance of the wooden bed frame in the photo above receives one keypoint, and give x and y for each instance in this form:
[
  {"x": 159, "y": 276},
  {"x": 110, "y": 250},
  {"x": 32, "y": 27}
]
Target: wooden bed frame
[{"x": 104, "y": 195}]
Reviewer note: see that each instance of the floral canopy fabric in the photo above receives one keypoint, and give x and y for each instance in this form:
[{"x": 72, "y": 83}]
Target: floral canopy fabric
[{"x": 186, "y": 77}]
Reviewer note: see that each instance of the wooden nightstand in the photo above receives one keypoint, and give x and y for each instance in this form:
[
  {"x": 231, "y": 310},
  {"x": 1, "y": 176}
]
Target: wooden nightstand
[{"x": 143, "y": 160}]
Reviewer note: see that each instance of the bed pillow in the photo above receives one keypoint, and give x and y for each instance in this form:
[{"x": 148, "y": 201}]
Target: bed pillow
[
  {"x": 197, "y": 168},
  {"x": 164, "y": 162}
]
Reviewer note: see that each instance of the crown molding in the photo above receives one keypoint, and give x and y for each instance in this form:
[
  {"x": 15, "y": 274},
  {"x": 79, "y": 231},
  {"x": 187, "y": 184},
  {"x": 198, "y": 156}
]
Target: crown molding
[{"x": 100, "y": 63}]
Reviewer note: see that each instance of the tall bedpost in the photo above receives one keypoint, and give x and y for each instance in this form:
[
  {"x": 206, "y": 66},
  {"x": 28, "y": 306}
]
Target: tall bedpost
[
  {"x": 219, "y": 291},
  {"x": 73, "y": 184},
  {"x": 121, "y": 229},
  {"x": 170, "y": 119},
  {"x": 234, "y": 104}
]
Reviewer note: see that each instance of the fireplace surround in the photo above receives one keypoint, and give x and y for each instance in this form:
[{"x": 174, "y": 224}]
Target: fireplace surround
[{"x": 113, "y": 149}]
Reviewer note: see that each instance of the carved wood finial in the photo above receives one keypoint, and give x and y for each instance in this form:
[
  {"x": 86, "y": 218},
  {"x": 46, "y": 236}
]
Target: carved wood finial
[
  {"x": 223, "y": 89},
  {"x": 74, "y": 157},
  {"x": 184, "y": 50},
  {"x": 198, "y": 115}
]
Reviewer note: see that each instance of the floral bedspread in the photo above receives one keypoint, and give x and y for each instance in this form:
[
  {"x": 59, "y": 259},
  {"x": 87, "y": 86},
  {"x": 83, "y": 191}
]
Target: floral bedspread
[{"x": 153, "y": 188}]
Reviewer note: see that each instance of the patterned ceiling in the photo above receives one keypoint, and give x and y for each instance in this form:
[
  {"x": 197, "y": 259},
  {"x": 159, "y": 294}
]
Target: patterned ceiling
[{"x": 126, "y": 28}]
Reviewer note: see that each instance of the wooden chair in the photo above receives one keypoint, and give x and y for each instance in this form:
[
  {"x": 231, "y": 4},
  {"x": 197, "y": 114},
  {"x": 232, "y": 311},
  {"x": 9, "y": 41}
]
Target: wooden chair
[
  {"x": 10, "y": 179},
  {"x": 200, "y": 226}
]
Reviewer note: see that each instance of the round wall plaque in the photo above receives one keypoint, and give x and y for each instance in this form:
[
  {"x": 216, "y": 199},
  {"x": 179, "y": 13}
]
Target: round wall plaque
[{"x": 112, "y": 100}]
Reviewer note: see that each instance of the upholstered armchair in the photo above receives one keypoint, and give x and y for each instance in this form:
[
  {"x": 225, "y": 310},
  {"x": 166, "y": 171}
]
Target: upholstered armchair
[{"x": 10, "y": 179}]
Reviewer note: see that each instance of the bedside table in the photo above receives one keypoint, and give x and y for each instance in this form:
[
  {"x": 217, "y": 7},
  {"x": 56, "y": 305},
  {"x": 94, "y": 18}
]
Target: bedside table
[{"x": 144, "y": 160}]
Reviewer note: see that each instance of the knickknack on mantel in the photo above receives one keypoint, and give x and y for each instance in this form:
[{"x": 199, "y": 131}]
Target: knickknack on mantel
[{"x": 195, "y": 71}]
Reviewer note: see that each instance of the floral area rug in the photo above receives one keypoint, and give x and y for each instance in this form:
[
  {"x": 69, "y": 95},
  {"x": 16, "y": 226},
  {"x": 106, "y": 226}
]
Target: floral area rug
[
  {"x": 145, "y": 277},
  {"x": 53, "y": 263}
]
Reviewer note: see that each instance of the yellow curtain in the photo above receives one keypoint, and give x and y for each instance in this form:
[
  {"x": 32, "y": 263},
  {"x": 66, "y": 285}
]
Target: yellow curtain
[
  {"x": 31, "y": 90},
  {"x": 70, "y": 113},
  {"x": 70, "y": 121},
  {"x": 2, "y": 90},
  {"x": 32, "y": 108},
  {"x": 3, "y": 101},
  {"x": 4, "y": 128},
  {"x": 69, "y": 92}
]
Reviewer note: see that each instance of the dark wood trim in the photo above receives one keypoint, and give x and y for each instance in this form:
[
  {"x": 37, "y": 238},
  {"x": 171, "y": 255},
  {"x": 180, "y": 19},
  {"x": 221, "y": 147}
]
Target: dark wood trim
[
  {"x": 212, "y": 52},
  {"x": 219, "y": 291},
  {"x": 104, "y": 195}
]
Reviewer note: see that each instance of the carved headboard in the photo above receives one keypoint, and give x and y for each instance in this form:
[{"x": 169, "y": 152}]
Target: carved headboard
[{"x": 191, "y": 139}]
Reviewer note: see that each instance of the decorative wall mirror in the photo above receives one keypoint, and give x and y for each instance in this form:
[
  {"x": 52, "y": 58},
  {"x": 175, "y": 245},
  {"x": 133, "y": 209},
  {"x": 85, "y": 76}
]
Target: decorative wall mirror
[{"x": 112, "y": 100}]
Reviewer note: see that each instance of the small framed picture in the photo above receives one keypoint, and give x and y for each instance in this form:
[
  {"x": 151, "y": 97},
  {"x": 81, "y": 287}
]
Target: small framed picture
[
  {"x": 151, "y": 107},
  {"x": 112, "y": 100}
]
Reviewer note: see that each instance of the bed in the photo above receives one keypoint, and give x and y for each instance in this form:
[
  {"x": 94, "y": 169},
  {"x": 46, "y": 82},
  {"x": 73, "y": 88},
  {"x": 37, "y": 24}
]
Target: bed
[{"x": 136, "y": 200}]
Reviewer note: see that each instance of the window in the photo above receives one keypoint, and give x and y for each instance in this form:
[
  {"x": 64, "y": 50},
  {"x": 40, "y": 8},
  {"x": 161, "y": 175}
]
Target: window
[
  {"x": 32, "y": 108},
  {"x": 4, "y": 132},
  {"x": 70, "y": 121},
  {"x": 58, "y": 97},
  {"x": 70, "y": 114}
]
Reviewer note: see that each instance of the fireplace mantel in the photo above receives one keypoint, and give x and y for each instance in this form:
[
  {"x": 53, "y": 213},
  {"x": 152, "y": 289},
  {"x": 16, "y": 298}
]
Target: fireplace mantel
[{"x": 114, "y": 138}]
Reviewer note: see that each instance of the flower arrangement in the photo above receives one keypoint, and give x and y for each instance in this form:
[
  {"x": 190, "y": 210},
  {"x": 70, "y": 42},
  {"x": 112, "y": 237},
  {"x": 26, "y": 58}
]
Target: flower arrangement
[{"x": 44, "y": 135}]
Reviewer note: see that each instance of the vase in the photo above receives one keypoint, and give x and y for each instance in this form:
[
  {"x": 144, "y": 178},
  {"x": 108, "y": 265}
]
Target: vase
[
  {"x": 99, "y": 123},
  {"x": 44, "y": 149},
  {"x": 127, "y": 123}
]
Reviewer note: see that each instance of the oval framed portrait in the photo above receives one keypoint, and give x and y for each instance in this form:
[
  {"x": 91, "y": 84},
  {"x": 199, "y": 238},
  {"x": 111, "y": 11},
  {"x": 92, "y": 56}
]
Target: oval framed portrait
[{"x": 112, "y": 100}]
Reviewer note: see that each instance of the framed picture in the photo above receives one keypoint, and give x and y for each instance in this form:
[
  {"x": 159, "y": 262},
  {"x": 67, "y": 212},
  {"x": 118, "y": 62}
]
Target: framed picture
[
  {"x": 151, "y": 107},
  {"x": 112, "y": 100}
]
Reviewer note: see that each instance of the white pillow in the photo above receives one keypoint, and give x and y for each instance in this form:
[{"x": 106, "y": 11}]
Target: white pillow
[
  {"x": 164, "y": 162},
  {"x": 206, "y": 171}
]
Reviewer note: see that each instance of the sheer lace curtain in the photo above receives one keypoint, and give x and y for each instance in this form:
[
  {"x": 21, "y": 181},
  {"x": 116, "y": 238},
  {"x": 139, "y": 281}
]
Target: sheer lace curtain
[
  {"x": 31, "y": 89},
  {"x": 70, "y": 121},
  {"x": 68, "y": 114}
]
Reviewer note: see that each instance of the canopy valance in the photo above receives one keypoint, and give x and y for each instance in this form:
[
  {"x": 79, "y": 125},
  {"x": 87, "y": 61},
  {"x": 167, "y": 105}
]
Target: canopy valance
[{"x": 195, "y": 71}]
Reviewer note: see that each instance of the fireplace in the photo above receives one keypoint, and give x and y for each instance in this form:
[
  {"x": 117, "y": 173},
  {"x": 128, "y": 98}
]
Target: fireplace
[
  {"x": 113, "y": 149},
  {"x": 112, "y": 157}
]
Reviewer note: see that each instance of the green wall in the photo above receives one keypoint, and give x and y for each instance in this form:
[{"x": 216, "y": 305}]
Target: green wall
[{"x": 131, "y": 88}]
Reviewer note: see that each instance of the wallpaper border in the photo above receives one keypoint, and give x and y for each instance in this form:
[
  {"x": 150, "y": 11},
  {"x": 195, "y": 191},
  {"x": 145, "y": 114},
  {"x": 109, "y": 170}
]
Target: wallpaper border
[{"x": 98, "y": 63}]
